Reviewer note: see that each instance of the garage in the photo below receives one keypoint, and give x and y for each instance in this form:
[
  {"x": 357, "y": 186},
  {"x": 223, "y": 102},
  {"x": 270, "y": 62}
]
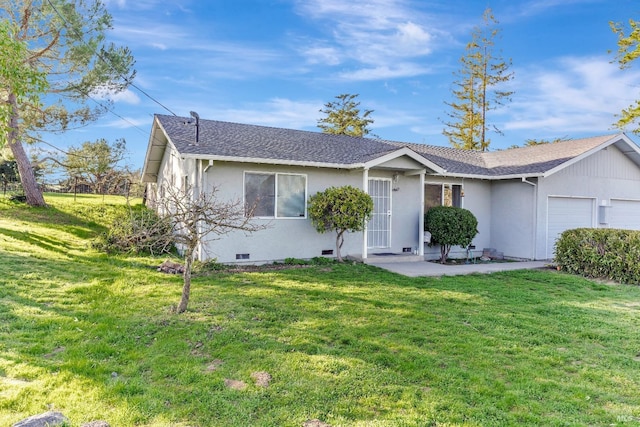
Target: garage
[
  {"x": 625, "y": 214},
  {"x": 565, "y": 213}
]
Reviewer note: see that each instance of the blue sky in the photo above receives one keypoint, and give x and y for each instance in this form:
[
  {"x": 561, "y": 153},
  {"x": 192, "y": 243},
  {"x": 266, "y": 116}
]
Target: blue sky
[{"x": 277, "y": 62}]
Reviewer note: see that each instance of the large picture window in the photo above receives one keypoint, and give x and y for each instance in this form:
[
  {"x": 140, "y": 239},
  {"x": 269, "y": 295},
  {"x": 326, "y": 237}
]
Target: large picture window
[
  {"x": 276, "y": 195},
  {"x": 442, "y": 195}
]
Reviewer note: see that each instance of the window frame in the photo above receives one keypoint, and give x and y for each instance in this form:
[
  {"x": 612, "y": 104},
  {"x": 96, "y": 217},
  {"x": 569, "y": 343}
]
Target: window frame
[
  {"x": 442, "y": 186},
  {"x": 275, "y": 201}
]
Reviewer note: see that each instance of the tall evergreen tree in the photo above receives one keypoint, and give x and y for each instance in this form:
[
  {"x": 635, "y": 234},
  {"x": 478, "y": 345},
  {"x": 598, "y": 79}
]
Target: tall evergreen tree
[
  {"x": 477, "y": 89},
  {"x": 64, "y": 41},
  {"x": 343, "y": 117},
  {"x": 628, "y": 51}
]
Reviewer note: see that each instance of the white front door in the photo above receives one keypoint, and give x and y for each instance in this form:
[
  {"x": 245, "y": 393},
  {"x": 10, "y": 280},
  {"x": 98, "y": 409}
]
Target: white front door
[{"x": 379, "y": 227}]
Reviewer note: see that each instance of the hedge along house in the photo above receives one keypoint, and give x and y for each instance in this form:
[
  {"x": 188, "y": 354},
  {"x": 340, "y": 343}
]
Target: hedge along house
[{"x": 523, "y": 198}]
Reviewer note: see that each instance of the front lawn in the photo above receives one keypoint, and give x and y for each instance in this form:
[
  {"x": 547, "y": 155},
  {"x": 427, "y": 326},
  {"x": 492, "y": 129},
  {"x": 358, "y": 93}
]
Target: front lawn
[{"x": 94, "y": 337}]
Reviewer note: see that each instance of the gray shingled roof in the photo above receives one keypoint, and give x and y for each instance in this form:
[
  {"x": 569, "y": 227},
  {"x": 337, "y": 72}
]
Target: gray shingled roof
[{"x": 234, "y": 140}]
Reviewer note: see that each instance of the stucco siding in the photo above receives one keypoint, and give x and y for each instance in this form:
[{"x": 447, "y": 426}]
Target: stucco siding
[
  {"x": 605, "y": 175},
  {"x": 283, "y": 237},
  {"x": 513, "y": 218},
  {"x": 477, "y": 199}
]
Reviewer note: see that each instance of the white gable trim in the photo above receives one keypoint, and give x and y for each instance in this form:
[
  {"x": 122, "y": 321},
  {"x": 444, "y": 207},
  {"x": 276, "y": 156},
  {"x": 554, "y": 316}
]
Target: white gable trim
[
  {"x": 404, "y": 151},
  {"x": 620, "y": 138}
]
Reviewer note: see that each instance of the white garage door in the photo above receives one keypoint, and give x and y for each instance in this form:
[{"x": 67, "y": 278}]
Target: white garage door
[
  {"x": 625, "y": 214},
  {"x": 566, "y": 213}
]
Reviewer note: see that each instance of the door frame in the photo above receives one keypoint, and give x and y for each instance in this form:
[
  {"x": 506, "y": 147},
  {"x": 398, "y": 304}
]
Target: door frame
[{"x": 389, "y": 215}]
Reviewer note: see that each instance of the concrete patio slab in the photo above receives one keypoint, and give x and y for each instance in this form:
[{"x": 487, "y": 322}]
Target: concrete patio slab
[{"x": 426, "y": 268}]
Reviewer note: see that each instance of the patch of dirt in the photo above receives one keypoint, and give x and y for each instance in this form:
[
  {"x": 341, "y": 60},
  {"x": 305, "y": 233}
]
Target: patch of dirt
[
  {"x": 54, "y": 352},
  {"x": 315, "y": 423},
  {"x": 262, "y": 379},
  {"x": 214, "y": 365},
  {"x": 235, "y": 384},
  {"x": 463, "y": 261}
]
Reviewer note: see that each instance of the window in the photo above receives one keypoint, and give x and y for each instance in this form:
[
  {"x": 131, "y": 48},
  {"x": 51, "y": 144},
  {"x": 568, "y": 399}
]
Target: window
[
  {"x": 278, "y": 195},
  {"x": 442, "y": 195}
]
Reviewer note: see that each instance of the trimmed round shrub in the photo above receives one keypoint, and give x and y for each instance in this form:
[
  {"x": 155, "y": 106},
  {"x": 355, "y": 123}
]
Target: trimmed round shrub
[{"x": 450, "y": 226}]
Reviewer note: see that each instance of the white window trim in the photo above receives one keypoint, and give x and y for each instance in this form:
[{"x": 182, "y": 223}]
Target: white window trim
[
  {"x": 275, "y": 206},
  {"x": 451, "y": 184}
]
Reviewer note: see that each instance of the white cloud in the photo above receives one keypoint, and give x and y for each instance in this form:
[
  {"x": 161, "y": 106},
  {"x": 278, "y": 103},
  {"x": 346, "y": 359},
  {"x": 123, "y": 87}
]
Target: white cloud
[
  {"x": 572, "y": 95},
  {"x": 126, "y": 96},
  {"x": 322, "y": 55},
  {"x": 277, "y": 112},
  {"x": 374, "y": 35},
  {"x": 127, "y": 123},
  {"x": 389, "y": 71},
  {"x": 538, "y": 7}
]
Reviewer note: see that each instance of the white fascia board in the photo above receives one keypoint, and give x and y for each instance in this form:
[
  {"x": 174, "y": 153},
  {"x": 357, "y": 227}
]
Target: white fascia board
[
  {"x": 404, "y": 151},
  {"x": 488, "y": 177},
  {"x": 154, "y": 141},
  {"x": 260, "y": 160},
  {"x": 586, "y": 154}
]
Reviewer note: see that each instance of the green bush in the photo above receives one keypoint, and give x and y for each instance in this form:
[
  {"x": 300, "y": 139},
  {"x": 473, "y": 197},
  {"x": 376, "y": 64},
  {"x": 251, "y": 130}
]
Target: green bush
[
  {"x": 340, "y": 209},
  {"x": 450, "y": 226},
  {"x": 600, "y": 253},
  {"x": 136, "y": 231}
]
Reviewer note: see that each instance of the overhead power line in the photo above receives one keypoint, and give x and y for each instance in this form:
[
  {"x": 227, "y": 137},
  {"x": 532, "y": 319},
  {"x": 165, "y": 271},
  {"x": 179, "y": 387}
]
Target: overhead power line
[{"x": 101, "y": 57}]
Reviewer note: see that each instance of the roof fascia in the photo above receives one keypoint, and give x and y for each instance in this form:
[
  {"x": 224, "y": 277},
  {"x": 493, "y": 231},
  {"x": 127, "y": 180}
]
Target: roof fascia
[
  {"x": 489, "y": 177},
  {"x": 260, "y": 160},
  {"x": 586, "y": 154},
  {"x": 404, "y": 151},
  {"x": 157, "y": 126}
]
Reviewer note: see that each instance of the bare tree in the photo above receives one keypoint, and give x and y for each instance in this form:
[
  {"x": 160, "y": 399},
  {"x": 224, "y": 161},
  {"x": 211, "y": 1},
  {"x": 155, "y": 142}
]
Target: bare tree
[{"x": 196, "y": 216}]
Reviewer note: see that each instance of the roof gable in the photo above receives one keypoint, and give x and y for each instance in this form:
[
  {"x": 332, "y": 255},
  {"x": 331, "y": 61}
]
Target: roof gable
[
  {"x": 261, "y": 144},
  {"x": 268, "y": 145}
]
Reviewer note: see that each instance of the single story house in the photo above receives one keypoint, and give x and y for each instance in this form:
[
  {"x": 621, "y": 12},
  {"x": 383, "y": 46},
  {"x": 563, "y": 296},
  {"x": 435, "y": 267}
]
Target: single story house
[{"x": 523, "y": 198}]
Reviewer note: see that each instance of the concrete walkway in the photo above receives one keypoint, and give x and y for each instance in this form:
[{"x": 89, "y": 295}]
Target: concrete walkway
[{"x": 425, "y": 268}]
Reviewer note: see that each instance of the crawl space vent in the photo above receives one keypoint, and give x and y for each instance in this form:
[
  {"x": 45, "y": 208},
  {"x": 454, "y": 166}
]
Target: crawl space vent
[
  {"x": 327, "y": 252},
  {"x": 242, "y": 256}
]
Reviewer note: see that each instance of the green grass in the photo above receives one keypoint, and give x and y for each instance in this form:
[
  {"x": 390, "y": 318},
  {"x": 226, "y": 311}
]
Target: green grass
[{"x": 352, "y": 345}]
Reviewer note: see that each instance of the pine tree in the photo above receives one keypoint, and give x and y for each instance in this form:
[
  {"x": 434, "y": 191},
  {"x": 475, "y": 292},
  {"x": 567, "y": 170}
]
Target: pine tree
[
  {"x": 477, "y": 89},
  {"x": 343, "y": 117}
]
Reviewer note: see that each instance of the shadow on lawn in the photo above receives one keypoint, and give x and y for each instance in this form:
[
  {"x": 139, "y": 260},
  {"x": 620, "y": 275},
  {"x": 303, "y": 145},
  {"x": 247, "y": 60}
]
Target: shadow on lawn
[{"x": 327, "y": 334}]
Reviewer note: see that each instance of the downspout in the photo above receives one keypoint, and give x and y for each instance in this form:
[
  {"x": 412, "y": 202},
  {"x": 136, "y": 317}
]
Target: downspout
[
  {"x": 535, "y": 216},
  {"x": 202, "y": 172},
  {"x": 421, "y": 219},
  {"x": 365, "y": 188}
]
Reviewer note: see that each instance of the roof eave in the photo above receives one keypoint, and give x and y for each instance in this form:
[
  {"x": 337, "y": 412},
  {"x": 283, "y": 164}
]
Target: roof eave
[
  {"x": 405, "y": 151},
  {"x": 605, "y": 144},
  {"x": 284, "y": 162},
  {"x": 490, "y": 177}
]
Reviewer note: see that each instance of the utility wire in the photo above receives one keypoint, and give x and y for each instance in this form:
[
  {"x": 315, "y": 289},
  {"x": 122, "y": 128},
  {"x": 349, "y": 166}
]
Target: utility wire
[{"x": 126, "y": 79}]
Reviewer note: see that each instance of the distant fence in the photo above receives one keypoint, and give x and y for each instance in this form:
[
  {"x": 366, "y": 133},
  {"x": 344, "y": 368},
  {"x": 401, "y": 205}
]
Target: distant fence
[{"x": 127, "y": 189}]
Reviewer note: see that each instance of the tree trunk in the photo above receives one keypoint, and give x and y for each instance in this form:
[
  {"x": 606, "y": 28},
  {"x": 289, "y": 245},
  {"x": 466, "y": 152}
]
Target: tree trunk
[
  {"x": 186, "y": 287},
  {"x": 27, "y": 176},
  {"x": 339, "y": 242}
]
